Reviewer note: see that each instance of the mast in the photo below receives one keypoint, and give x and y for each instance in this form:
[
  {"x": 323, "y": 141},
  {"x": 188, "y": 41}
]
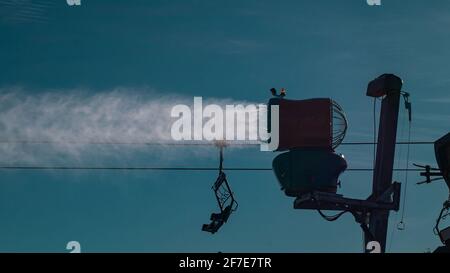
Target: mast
[{"x": 388, "y": 85}]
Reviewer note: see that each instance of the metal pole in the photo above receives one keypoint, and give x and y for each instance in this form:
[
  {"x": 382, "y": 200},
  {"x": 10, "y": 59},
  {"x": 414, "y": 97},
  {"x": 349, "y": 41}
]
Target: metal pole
[{"x": 382, "y": 177}]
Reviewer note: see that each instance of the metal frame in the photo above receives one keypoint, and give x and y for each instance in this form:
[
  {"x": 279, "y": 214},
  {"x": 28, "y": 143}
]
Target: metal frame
[
  {"x": 337, "y": 115},
  {"x": 372, "y": 213},
  {"x": 223, "y": 191},
  {"x": 224, "y": 194},
  {"x": 389, "y": 200}
]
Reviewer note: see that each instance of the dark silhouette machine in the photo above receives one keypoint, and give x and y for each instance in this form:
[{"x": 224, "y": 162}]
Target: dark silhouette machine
[
  {"x": 310, "y": 130},
  {"x": 309, "y": 168},
  {"x": 442, "y": 152}
]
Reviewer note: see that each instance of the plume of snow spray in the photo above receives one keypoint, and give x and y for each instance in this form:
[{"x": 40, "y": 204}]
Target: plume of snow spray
[{"x": 66, "y": 124}]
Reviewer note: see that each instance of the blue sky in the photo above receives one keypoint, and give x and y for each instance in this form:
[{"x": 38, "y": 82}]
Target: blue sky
[{"x": 225, "y": 50}]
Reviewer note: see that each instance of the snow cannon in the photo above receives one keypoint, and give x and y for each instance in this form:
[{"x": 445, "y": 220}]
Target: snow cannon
[{"x": 309, "y": 131}]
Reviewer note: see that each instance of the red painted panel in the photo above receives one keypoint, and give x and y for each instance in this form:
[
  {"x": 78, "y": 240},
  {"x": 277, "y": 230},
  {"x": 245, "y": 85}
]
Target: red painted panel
[{"x": 304, "y": 123}]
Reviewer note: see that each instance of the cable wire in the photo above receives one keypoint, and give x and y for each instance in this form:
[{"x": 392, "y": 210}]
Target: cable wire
[
  {"x": 401, "y": 224},
  {"x": 181, "y": 143},
  {"x": 331, "y": 218},
  {"x": 374, "y": 131},
  {"x": 157, "y": 168}
]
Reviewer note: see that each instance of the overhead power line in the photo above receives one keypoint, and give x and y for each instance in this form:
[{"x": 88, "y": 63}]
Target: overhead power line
[
  {"x": 181, "y": 143},
  {"x": 162, "y": 168}
]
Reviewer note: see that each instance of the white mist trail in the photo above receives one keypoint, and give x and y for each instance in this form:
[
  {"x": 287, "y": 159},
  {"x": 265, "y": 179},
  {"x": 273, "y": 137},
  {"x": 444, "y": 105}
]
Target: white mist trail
[{"x": 68, "y": 121}]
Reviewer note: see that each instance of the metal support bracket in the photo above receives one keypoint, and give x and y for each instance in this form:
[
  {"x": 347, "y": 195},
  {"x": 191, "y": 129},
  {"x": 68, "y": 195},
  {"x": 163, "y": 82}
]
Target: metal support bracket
[{"x": 389, "y": 200}]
